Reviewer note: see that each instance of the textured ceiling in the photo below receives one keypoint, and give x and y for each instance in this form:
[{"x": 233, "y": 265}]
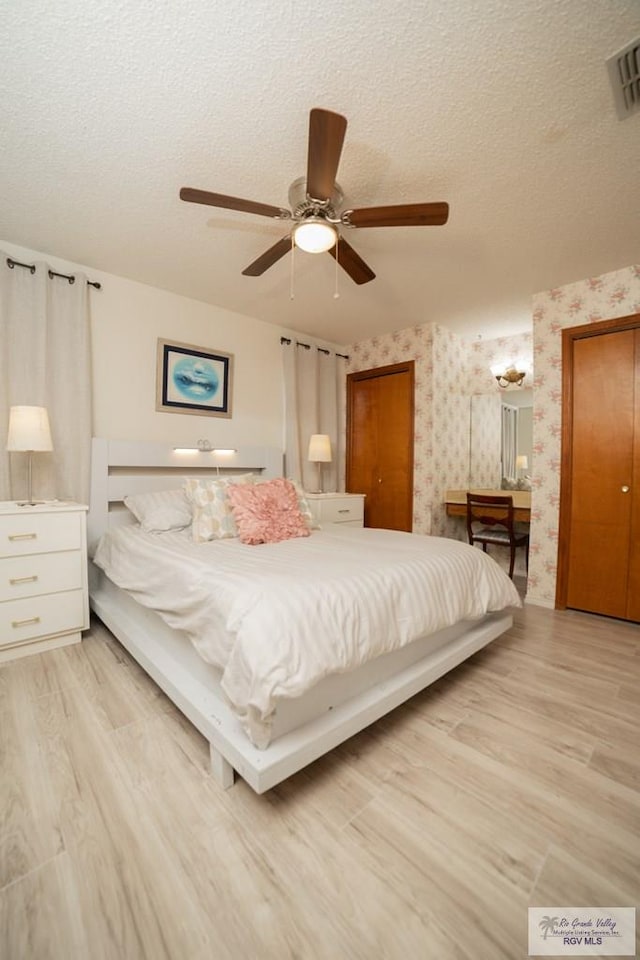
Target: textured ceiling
[{"x": 501, "y": 107}]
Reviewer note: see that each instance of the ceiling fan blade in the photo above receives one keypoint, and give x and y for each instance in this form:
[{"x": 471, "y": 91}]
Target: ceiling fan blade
[
  {"x": 326, "y": 136},
  {"x": 352, "y": 262},
  {"x": 401, "y": 215},
  {"x": 268, "y": 258},
  {"x": 233, "y": 203}
]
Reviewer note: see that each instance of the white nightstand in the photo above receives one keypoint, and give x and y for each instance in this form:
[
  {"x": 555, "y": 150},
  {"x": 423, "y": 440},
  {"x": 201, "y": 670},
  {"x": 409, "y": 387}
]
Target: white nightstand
[
  {"x": 344, "y": 508},
  {"x": 43, "y": 577}
]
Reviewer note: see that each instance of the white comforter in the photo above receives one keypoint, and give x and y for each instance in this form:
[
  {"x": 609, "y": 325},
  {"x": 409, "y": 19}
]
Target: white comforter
[{"x": 277, "y": 618}]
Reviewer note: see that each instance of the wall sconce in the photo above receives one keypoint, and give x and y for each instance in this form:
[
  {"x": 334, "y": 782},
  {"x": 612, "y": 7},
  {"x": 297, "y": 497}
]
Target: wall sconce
[
  {"x": 29, "y": 432},
  {"x": 319, "y": 453},
  {"x": 509, "y": 376}
]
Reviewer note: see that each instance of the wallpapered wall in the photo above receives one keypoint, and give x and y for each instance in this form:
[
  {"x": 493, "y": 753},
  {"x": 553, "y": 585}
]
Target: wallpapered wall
[
  {"x": 448, "y": 369},
  {"x": 485, "y": 444},
  {"x": 487, "y": 399},
  {"x": 611, "y": 295},
  {"x": 412, "y": 343}
]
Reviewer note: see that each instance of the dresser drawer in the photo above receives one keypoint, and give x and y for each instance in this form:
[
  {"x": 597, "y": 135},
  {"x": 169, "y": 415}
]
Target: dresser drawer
[
  {"x": 40, "y": 573},
  {"x": 341, "y": 510},
  {"x": 33, "y": 617},
  {"x": 25, "y": 533}
]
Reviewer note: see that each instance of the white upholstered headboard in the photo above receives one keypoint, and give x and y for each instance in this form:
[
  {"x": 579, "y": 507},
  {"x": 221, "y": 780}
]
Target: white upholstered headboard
[{"x": 124, "y": 467}]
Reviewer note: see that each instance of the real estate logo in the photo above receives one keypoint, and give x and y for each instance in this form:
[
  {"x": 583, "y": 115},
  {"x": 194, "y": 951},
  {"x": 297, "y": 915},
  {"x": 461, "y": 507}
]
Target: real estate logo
[{"x": 582, "y": 931}]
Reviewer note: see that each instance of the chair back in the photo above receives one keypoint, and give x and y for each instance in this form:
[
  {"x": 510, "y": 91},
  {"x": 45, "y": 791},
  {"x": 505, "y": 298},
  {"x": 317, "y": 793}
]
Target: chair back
[{"x": 489, "y": 510}]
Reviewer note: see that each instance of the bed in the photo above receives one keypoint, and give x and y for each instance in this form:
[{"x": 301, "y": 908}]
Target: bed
[{"x": 275, "y": 652}]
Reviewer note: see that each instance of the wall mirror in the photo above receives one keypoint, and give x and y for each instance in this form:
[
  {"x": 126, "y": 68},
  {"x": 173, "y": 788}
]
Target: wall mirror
[
  {"x": 517, "y": 438},
  {"x": 490, "y": 454}
]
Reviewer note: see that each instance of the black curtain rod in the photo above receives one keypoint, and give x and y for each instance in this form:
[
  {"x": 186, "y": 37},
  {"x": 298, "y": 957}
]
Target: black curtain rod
[
  {"x": 31, "y": 267},
  {"x": 307, "y": 346}
]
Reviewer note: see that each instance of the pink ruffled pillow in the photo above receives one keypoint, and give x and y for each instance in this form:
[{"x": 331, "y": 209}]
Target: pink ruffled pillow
[{"x": 267, "y": 512}]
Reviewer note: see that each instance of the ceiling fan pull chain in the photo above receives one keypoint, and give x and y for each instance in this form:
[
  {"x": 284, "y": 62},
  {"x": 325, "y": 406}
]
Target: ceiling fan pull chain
[
  {"x": 293, "y": 255},
  {"x": 336, "y": 294}
]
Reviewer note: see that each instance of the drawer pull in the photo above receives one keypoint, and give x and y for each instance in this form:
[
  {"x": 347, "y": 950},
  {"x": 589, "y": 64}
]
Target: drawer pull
[
  {"x": 23, "y": 536},
  {"x": 344, "y": 510},
  {"x": 24, "y": 623},
  {"x": 14, "y": 581}
]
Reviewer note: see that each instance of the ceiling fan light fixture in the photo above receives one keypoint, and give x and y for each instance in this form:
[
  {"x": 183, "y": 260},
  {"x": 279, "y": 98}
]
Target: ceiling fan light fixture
[{"x": 314, "y": 235}]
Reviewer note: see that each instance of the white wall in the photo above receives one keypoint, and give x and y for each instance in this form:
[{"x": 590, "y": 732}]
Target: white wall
[{"x": 127, "y": 318}]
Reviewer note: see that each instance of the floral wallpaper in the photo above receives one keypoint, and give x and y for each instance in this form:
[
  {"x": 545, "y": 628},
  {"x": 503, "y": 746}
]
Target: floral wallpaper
[
  {"x": 412, "y": 343},
  {"x": 448, "y": 369},
  {"x": 611, "y": 295},
  {"x": 451, "y": 429},
  {"x": 503, "y": 350},
  {"x": 485, "y": 443}
]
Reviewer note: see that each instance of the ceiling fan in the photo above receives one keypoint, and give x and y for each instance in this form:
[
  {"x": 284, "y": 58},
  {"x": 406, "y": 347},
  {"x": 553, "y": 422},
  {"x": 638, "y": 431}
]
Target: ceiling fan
[{"x": 315, "y": 200}]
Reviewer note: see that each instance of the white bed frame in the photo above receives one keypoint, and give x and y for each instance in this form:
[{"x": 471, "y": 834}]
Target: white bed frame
[{"x": 303, "y": 729}]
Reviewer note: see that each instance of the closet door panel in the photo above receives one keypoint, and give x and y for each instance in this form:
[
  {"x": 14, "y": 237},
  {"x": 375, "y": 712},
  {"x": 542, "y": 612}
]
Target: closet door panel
[
  {"x": 380, "y": 443},
  {"x": 395, "y": 456},
  {"x": 362, "y": 443},
  {"x": 633, "y": 590},
  {"x": 602, "y": 464}
]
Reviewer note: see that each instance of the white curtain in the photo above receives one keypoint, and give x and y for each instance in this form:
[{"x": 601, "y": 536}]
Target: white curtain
[
  {"x": 509, "y": 441},
  {"x": 45, "y": 361},
  {"x": 314, "y": 382}
]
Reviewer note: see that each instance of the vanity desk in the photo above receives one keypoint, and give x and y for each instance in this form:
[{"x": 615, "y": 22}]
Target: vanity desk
[{"x": 456, "y": 502}]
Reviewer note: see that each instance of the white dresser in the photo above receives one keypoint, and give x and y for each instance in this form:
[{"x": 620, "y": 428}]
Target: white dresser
[
  {"x": 43, "y": 577},
  {"x": 347, "y": 508}
]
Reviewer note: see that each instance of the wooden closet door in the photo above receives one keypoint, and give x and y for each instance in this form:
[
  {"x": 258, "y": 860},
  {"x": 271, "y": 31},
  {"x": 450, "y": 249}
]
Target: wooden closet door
[
  {"x": 633, "y": 589},
  {"x": 380, "y": 444},
  {"x": 602, "y": 493}
]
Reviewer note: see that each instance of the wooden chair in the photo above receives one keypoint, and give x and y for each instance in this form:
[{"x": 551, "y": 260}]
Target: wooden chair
[{"x": 490, "y": 520}]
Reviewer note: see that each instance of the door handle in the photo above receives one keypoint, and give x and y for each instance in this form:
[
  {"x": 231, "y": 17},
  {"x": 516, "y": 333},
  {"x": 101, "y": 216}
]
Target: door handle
[{"x": 624, "y": 488}]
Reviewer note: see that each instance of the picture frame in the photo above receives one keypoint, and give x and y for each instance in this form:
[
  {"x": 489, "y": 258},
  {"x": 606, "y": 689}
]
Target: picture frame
[{"x": 193, "y": 380}]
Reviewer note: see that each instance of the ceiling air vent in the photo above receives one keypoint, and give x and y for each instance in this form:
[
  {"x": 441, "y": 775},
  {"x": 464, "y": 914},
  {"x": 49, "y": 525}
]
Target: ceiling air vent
[{"x": 624, "y": 73}]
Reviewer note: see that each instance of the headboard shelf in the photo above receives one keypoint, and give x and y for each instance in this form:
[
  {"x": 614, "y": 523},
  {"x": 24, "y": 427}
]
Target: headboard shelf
[{"x": 124, "y": 467}]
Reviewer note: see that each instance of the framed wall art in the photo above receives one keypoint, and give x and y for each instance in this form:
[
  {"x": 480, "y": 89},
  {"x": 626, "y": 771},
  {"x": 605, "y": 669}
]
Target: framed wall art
[{"x": 193, "y": 380}]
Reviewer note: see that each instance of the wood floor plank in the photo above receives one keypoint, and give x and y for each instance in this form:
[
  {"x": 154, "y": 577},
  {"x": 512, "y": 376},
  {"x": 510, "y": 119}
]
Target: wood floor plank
[
  {"x": 40, "y": 917},
  {"x": 128, "y": 889},
  {"x": 618, "y": 765},
  {"x": 29, "y": 827},
  {"x": 511, "y": 781},
  {"x": 431, "y": 880},
  {"x": 515, "y": 792},
  {"x": 560, "y": 775}
]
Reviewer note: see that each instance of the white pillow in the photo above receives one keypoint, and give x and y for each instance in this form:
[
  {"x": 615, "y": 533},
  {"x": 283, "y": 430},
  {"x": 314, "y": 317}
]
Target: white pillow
[
  {"x": 160, "y": 510},
  {"x": 212, "y": 516},
  {"x": 303, "y": 506}
]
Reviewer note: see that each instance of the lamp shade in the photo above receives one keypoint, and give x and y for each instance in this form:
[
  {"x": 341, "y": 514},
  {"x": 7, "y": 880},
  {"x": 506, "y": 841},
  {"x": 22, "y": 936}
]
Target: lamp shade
[
  {"x": 522, "y": 462},
  {"x": 29, "y": 429},
  {"x": 319, "y": 448}
]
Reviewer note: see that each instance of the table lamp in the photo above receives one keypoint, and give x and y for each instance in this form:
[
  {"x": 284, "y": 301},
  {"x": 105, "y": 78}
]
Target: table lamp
[
  {"x": 319, "y": 453},
  {"x": 29, "y": 432}
]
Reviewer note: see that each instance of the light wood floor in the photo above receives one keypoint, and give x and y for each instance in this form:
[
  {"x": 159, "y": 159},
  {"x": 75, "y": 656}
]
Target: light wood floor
[{"x": 514, "y": 781}]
